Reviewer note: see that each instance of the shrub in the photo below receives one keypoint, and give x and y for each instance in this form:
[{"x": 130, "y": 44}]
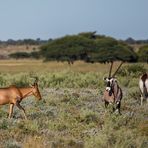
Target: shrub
[
  {"x": 143, "y": 54},
  {"x": 132, "y": 70},
  {"x": 19, "y": 55}
]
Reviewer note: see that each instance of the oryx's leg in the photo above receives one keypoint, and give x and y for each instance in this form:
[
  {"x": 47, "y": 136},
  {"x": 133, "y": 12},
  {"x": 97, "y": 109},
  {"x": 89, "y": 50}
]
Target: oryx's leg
[
  {"x": 118, "y": 105},
  {"x": 10, "y": 110},
  {"x": 141, "y": 99},
  {"x": 114, "y": 109},
  {"x": 106, "y": 104},
  {"x": 21, "y": 108}
]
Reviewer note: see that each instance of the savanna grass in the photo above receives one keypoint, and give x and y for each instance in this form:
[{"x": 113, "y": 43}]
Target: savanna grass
[{"x": 72, "y": 113}]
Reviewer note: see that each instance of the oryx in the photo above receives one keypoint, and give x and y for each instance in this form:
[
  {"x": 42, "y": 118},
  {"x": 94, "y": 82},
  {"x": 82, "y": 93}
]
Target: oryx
[
  {"x": 113, "y": 92},
  {"x": 143, "y": 85}
]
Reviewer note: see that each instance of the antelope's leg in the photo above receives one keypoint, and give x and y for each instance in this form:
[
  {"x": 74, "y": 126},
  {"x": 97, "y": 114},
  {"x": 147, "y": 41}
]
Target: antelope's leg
[
  {"x": 10, "y": 110},
  {"x": 21, "y": 108},
  {"x": 118, "y": 107},
  {"x": 142, "y": 98}
]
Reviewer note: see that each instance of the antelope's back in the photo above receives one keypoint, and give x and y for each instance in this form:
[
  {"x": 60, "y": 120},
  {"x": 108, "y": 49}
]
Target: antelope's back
[{"x": 9, "y": 94}]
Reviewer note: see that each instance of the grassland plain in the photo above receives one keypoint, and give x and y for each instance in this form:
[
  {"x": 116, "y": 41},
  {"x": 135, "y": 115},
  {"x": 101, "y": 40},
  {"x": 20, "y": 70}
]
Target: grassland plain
[
  {"x": 7, "y": 49},
  {"x": 71, "y": 113}
]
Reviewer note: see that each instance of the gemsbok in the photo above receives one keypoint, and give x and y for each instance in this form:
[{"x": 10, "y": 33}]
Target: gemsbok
[
  {"x": 13, "y": 95},
  {"x": 113, "y": 92},
  {"x": 143, "y": 85}
]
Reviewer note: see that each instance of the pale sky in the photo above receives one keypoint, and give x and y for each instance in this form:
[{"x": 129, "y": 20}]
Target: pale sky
[{"x": 20, "y": 19}]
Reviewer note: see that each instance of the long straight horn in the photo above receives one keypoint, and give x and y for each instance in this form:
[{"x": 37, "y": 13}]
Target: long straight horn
[
  {"x": 117, "y": 69},
  {"x": 110, "y": 69}
]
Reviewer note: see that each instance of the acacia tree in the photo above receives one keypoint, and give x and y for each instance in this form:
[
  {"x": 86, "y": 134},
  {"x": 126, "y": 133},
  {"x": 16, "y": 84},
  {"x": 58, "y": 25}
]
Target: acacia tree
[{"x": 88, "y": 47}]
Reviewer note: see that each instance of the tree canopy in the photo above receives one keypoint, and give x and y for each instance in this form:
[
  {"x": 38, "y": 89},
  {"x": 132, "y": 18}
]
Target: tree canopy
[{"x": 87, "y": 46}]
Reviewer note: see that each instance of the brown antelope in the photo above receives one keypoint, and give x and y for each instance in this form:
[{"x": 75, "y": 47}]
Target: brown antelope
[
  {"x": 13, "y": 95},
  {"x": 113, "y": 92},
  {"x": 143, "y": 85}
]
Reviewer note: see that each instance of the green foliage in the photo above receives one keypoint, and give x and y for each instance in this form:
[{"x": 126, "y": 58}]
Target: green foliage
[
  {"x": 4, "y": 124},
  {"x": 143, "y": 54},
  {"x": 88, "y": 47},
  {"x": 22, "y": 55},
  {"x": 62, "y": 79},
  {"x": 35, "y": 55},
  {"x": 38, "y": 41},
  {"x": 134, "y": 70},
  {"x": 19, "y": 55},
  {"x": 67, "y": 48}
]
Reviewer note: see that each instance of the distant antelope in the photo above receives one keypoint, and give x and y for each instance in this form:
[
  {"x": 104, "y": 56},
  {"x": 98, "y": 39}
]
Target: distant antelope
[
  {"x": 143, "y": 85},
  {"x": 13, "y": 95},
  {"x": 113, "y": 92}
]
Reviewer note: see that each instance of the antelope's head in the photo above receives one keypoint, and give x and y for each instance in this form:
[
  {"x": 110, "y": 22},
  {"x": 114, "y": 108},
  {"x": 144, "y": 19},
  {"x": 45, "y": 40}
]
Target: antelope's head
[
  {"x": 35, "y": 90},
  {"x": 111, "y": 80}
]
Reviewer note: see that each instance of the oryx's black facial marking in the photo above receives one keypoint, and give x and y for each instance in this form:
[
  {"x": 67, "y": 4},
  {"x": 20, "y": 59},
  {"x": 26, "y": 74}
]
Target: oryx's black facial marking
[{"x": 109, "y": 83}]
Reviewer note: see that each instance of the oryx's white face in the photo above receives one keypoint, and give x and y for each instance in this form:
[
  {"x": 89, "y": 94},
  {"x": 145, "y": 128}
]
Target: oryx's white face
[{"x": 109, "y": 83}]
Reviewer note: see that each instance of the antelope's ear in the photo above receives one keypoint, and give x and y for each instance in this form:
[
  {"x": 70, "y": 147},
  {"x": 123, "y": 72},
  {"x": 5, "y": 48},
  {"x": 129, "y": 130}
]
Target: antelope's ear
[
  {"x": 35, "y": 84},
  {"x": 104, "y": 78}
]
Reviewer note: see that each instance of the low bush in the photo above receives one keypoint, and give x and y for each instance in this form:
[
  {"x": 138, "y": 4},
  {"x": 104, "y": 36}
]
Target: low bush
[
  {"x": 134, "y": 70},
  {"x": 20, "y": 55}
]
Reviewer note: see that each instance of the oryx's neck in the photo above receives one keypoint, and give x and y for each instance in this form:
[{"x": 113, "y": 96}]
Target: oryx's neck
[
  {"x": 115, "y": 89},
  {"x": 25, "y": 92}
]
